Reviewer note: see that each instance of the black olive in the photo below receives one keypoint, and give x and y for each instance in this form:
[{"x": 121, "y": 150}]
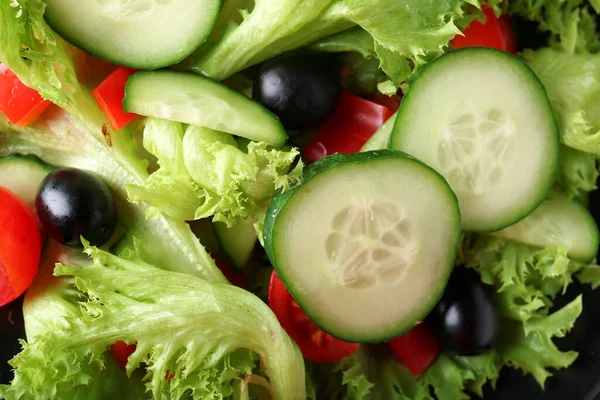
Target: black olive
[
  {"x": 71, "y": 203},
  {"x": 302, "y": 90},
  {"x": 466, "y": 320}
]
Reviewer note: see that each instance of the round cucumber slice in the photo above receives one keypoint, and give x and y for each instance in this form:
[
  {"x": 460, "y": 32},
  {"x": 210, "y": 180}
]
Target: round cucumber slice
[
  {"x": 144, "y": 34},
  {"x": 558, "y": 222},
  {"x": 483, "y": 120},
  {"x": 22, "y": 175},
  {"x": 366, "y": 243}
]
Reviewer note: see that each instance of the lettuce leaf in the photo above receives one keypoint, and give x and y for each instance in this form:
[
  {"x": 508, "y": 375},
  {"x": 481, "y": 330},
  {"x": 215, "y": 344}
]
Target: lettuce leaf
[
  {"x": 573, "y": 85},
  {"x": 79, "y": 136},
  {"x": 214, "y": 340},
  {"x": 531, "y": 349},
  {"x": 526, "y": 278},
  {"x": 49, "y": 304},
  {"x": 406, "y": 30},
  {"x": 204, "y": 174},
  {"x": 578, "y": 172},
  {"x": 571, "y": 23},
  {"x": 527, "y": 346}
]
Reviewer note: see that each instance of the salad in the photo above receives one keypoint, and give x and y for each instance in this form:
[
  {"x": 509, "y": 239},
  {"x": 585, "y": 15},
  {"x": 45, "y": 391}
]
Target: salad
[{"x": 294, "y": 199}]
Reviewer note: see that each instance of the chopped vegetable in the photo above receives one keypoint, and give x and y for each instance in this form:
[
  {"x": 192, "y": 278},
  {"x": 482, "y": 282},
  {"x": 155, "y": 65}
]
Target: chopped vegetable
[
  {"x": 139, "y": 35},
  {"x": 417, "y": 349},
  {"x": 22, "y": 175},
  {"x": 202, "y": 102},
  {"x": 109, "y": 95},
  {"x": 348, "y": 129},
  {"x": 315, "y": 344},
  {"x": 20, "y": 246},
  {"x": 122, "y": 351},
  {"x": 497, "y": 144},
  {"x": 19, "y": 103},
  {"x": 558, "y": 222},
  {"x": 367, "y": 241}
]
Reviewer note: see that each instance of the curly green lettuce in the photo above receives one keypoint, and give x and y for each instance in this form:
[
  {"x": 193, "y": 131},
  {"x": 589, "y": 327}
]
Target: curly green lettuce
[
  {"x": 571, "y": 23},
  {"x": 203, "y": 173},
  {"x": 212, "y": 340},
  {"x": 578, "y": 172},
  {"x": 405, "y": 31},
  {"x": 573, "y": 85},
  {"x": 372, "y": 373}
]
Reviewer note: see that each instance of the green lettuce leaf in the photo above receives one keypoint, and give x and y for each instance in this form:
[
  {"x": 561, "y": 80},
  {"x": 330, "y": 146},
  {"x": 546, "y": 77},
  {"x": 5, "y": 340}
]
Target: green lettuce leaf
[
  {"x": 573, "y": 85},
  {"x": 571, "y": 23},
  {"x": 214, "y": 340},
  {"x": 590, "y": 274},
  {"x": 408, "y": 30},
  {"x": 531, "y": 349},
  {"x": 79, "y": 136},
  {"x": 526, "y": 278},
  {"x": 577, "y": 173},
  {"x": 204, "y": 174},
  {"x": 344, "y": 380}
]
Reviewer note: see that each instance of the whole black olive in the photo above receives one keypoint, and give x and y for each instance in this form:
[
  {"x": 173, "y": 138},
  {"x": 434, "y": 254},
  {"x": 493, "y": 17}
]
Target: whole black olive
[
  {"x": 71, "y": 203},
  {"x": 466, "y": 320},
  {"x": 302, "y": 90}
]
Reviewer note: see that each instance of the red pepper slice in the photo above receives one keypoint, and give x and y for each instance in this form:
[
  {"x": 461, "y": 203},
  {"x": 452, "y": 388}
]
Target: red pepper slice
[
  {"x": 315, "y": 344},
  {"x": 122, "y": 351},
  {"x": 349, "y": 128},
  {"x": 109, "y": 96},
  {"x": 496, "y": 33},
  {"x": 20, "y": 104},
  {"x": 417, "y": 349}
]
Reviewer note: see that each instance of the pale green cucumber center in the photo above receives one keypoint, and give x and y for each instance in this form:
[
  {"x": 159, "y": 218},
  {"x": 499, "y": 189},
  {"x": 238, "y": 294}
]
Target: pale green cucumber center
[
  {"x": 118, "y": 10},
  {"x": 473, "y": 148},
  {"x": 370, "y": 245}
]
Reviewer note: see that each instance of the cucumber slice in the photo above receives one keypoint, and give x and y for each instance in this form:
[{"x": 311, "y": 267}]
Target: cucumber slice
[
  {"x": 237, "y": 242},
  {"x": 145, "y": 34},
  {"x": 22, "y": 175},
  {"x": 366, "y": 244},
  {"x": 482, "y": 119},
  {"x": 381, "y": 138},
  {"x": 200, "y": 101},
  {"x": 558, "y": 221}
]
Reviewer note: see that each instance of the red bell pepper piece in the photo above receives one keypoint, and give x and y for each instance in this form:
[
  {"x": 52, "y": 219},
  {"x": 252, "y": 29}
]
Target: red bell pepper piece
[
  {"x": 496, "y": 33},
  {"x": 109, "y": 96},
  {"x": 348, "y": 129},
  {"x": 417, "y": 349},
  {"x": 121, "y": 351},
  {"x": 19, "y": 103}
]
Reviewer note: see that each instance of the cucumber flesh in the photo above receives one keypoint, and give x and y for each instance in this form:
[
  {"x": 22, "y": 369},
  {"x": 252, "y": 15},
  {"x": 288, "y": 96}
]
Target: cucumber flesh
[
  {"x": 366, "y": 244},
  {"x": 22, "y": 175},
  {"x": 145, "y": 34},
  {"x": 558, "y": 222},
  {"x": 483, "y": 120},
  {"x": 381, "y": 138},
  {"x": 237, "y": 242},
  {"x": 196, "y": 100}
]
